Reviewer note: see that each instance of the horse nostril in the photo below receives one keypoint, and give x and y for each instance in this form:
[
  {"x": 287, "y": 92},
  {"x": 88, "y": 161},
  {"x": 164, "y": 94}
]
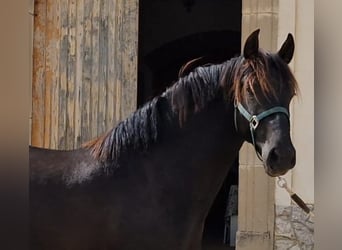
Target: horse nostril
[
  {"x": 273, "y": 157},
  {"x": 284, "y": 159}
]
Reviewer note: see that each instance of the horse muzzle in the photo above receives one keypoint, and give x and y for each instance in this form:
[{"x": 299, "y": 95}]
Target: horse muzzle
[{"x": 279, "y": 160}]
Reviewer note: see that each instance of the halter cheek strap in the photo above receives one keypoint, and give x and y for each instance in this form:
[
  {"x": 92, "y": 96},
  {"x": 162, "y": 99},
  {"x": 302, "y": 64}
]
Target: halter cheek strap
[{"x": 255, "y": 119}]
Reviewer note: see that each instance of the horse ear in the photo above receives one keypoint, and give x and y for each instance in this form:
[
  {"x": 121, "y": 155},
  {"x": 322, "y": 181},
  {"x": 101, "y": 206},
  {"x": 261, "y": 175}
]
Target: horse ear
[
  {"x": 251, "y": 48},
  {"x": 287, "y": 49}
]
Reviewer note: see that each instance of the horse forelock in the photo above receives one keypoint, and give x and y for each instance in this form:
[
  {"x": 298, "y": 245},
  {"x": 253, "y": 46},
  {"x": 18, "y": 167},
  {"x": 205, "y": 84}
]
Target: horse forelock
[{"x": 248, "y": 74}]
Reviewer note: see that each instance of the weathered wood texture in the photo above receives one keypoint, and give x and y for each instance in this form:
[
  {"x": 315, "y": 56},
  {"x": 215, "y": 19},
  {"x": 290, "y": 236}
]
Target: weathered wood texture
[{"x": 84, "y": 69}]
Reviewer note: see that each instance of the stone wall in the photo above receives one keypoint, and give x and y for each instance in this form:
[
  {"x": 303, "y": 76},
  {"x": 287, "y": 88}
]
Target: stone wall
[{"x": 294, "y": 229}]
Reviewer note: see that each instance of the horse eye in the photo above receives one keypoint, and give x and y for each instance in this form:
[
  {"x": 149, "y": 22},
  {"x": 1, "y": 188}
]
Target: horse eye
[{"x": 250, "y": 90}]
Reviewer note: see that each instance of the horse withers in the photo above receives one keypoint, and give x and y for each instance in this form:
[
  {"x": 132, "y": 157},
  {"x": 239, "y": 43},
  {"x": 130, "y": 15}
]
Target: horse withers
[{"x": 149, "y": 182}]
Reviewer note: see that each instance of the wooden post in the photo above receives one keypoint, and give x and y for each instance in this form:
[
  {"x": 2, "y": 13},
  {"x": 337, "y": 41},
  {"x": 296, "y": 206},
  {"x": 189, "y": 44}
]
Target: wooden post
[{"x": 84, "y": 69}]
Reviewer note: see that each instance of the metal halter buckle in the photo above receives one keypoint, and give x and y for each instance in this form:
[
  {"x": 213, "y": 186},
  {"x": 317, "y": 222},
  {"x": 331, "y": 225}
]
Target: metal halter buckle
[{"x": 254, "y": 122}]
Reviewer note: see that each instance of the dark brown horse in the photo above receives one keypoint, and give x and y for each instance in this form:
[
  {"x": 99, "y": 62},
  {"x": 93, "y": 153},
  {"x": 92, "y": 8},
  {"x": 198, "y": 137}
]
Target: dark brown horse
[{"x": 149, "y": 182}]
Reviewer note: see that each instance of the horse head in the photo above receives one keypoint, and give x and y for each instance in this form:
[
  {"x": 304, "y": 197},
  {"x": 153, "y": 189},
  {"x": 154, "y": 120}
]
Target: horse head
[{"x": 263, "y": 89}]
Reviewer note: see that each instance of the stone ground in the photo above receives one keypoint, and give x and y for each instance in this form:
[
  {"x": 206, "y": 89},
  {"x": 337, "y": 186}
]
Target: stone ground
[{"x": 294, "y": 229}]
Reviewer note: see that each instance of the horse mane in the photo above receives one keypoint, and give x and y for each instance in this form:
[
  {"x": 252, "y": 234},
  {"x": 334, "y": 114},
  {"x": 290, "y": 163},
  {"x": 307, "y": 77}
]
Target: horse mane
[
  {"x": 193, "y": 91},
  {"x": 192, "y": 64},
  {"x": 143, "y": 127},
  {"x": 138, "y": 131},
  {"x": 189, "y": 95}
]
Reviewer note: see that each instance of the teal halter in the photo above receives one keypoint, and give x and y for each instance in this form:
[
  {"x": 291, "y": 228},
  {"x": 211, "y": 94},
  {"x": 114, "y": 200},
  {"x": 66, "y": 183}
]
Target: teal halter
[{"x": 255, "y": 119}]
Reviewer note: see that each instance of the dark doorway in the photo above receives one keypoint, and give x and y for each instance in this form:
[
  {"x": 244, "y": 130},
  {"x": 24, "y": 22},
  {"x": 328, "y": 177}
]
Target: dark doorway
[
  {"x": 160, "y": 67},
  {"x": 218, "y": 225},
  {"x": 171, "y": 33}
]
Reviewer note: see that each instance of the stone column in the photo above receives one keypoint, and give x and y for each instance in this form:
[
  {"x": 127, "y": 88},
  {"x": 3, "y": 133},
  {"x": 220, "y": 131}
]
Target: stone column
[
  {"x": 293, "y": 228},
  {"x": 256, "y": 189},
  {"x": 267, "y": 217}
]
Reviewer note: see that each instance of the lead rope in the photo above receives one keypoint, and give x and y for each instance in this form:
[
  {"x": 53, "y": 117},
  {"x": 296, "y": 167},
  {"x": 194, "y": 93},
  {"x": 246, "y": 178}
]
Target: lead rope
[{"x": 283, "y": 184}]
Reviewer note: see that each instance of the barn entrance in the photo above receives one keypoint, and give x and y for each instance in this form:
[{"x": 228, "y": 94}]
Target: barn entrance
[{"x": 170, "y": 34}]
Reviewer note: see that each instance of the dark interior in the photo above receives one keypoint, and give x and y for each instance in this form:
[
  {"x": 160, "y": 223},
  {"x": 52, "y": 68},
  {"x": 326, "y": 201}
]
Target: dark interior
[
  {"x": 173, "y": 32},
  {"x": 213, "y": 235}
]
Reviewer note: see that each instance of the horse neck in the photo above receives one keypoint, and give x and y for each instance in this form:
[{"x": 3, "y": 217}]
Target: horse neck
[
  {"x": 209, "y": 125},
  {"x": 197, "y": 156}
]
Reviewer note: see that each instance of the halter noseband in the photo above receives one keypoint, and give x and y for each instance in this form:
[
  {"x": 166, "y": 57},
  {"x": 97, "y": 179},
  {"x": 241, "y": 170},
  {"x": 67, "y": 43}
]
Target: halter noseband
[{"x": 255, "y": 119}]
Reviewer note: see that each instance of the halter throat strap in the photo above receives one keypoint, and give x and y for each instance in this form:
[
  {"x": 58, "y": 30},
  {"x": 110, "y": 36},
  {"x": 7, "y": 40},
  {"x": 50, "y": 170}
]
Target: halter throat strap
[{"x": 255, "y": 119}]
